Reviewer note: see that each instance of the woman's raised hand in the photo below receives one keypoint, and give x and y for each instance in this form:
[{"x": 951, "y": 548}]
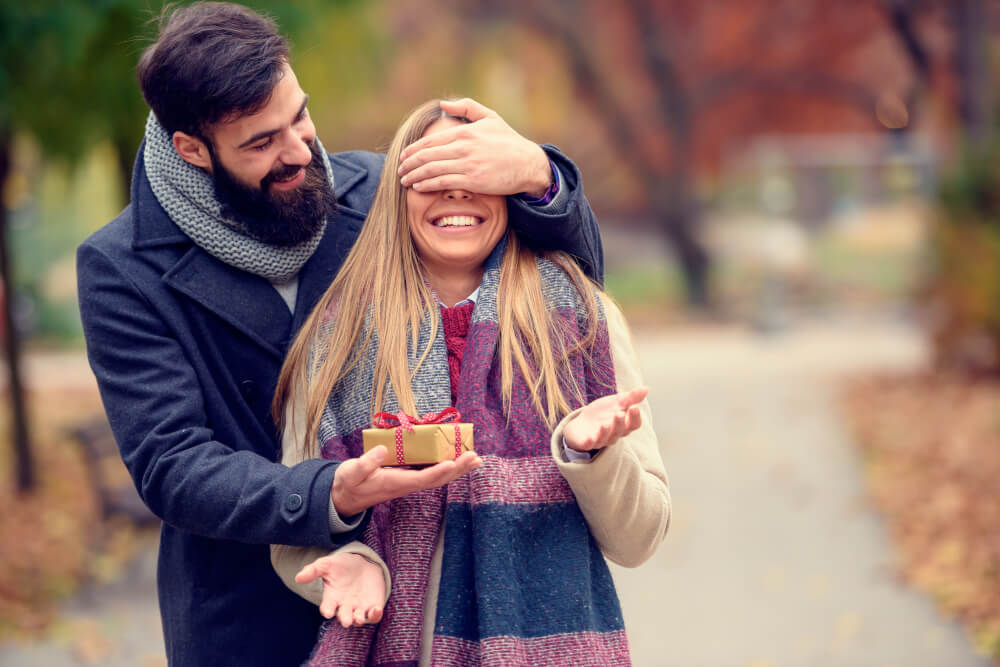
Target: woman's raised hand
[
  {"x": 602, "y": 422},
  {"x": 353, "y": 587}
]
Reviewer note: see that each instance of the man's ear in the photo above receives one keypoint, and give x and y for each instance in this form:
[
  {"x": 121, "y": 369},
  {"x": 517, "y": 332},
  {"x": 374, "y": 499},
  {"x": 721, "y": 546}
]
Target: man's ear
[{"x": 193, "y": 150}]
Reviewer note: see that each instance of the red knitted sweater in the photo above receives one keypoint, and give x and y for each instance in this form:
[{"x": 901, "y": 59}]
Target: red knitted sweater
[{"x": 455, "y": 321}]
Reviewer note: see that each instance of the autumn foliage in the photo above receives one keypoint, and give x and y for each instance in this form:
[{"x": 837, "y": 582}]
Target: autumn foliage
[
  {"x": 963, "y": 291},
  {"x": 932, "y": 449},
  {"x": 54, "y": 539}
]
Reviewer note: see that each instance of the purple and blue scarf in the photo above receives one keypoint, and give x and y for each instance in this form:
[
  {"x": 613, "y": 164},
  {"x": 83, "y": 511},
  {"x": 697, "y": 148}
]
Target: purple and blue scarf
[{"x": 523, "y": 581}]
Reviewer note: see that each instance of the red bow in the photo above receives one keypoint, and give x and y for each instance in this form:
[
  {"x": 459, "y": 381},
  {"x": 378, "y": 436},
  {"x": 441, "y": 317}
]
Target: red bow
[
  {"x": 406, "y": 422},
  {"x": 402, "y": 421}
]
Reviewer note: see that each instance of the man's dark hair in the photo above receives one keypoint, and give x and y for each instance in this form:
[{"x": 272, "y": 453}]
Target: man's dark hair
[{"x": 212, "y": 61}]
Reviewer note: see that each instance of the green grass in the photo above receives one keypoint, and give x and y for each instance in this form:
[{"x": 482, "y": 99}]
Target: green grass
[{"x": 887, "y": 274}]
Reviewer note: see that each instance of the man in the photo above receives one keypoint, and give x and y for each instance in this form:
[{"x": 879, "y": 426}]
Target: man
[{"x": 191, "y": 296}]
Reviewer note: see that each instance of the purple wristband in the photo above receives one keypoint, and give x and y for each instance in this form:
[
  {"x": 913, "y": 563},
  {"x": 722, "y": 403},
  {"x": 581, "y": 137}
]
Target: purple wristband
[{"x": 549, "y": 195}]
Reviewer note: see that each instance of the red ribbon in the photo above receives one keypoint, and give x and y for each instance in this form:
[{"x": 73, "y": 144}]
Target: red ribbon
[{"x": 402, "y": 421}]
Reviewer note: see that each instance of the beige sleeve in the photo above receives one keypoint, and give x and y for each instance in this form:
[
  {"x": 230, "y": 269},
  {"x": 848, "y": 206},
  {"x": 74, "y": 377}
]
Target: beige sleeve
[
  {"x": 623, "y": 491},
  {"x": 288, "y": 560}
]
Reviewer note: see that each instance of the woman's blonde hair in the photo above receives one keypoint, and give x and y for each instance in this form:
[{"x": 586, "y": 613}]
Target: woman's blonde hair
[{"x": 380, "y": 293}]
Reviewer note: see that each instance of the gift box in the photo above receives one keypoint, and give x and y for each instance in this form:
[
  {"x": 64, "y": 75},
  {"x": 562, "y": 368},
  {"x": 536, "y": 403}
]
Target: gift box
[{"x": 426, "y": 440}]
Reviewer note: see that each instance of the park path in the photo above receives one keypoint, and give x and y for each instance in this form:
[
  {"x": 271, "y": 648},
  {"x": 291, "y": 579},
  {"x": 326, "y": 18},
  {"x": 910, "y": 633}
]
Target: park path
[{"x": 774, "y": 557}]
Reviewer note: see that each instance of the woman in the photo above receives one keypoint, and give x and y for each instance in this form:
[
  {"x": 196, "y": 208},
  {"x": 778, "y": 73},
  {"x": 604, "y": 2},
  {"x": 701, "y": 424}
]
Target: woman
[{"x": 439, "y": 305}]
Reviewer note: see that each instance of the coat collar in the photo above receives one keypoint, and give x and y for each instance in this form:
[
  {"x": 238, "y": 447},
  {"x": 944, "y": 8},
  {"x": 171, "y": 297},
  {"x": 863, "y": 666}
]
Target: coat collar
[{"x": 243, "y": 300}]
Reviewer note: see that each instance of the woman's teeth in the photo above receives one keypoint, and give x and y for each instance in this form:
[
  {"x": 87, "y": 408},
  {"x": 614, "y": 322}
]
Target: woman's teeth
[{"x": 456, "y": 221}]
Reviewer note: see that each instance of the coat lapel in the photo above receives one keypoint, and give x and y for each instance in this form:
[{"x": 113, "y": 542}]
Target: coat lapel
[
  {"x": 245, "y": 301},
  {"x": 341, "y": 232},
  {"x": 317, "y": 274}
]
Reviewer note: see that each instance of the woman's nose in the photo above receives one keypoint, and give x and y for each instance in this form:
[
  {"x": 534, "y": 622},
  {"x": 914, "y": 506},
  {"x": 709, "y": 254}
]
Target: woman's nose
[{"x": 457, "y": 194}]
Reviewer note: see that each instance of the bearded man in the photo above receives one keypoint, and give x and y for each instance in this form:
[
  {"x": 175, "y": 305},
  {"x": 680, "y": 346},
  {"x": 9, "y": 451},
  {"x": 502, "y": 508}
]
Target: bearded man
[{"x": 238, "y": 221}]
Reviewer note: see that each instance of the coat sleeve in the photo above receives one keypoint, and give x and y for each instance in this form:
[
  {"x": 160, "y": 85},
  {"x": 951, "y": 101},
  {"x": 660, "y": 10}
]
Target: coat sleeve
[
  {"x": 623, "y": 491},
  {"x": 155, "y": 405},
  {"x": 288, "y": 560},
  {"x": 571, "y": 227}
]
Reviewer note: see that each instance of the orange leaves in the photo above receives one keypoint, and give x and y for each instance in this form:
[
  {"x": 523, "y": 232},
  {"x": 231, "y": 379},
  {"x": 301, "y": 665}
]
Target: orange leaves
[
  {"x": 46, "y": 537},
  {"x": 932, "y": 444}
]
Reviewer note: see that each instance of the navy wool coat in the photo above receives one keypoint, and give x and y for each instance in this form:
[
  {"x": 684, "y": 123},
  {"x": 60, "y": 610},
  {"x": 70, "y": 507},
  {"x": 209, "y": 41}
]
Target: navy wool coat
[{"x": 187, "y": 350}]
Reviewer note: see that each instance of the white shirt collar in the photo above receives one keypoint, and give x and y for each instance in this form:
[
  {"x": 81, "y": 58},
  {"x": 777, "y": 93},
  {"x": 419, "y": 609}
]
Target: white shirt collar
[{"x": 474, "y": 297}]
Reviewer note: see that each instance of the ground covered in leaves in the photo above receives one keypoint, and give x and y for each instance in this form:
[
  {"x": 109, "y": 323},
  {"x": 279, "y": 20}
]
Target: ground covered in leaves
[
  {"x": 932, "y": 451},
  {"x": 53, "y": 539}
]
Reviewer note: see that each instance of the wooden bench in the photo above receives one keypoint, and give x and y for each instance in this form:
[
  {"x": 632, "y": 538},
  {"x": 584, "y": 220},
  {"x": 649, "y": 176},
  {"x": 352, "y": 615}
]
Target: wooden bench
[{"x": 116, "y": 494}]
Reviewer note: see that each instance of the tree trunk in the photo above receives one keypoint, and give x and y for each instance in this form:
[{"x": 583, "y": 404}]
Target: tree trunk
[
  {"x": 679, "y": 227},
  {"x": 678, "y": 211},
  {"x": 675, "y": 210},
  {"x": 972, "y": 68},
  {"x": 24, "y": 462}
]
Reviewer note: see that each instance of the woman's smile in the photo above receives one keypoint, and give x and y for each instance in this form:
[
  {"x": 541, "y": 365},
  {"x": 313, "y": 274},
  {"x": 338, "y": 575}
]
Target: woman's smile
[{"x": 457, "y": 221}]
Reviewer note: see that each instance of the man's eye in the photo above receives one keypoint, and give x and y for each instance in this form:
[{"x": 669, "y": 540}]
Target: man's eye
[{"x": 260, "y": 147}]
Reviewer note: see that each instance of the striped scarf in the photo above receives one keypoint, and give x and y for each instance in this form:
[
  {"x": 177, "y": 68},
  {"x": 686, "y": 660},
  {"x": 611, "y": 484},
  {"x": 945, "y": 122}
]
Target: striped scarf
[{"x": 522, "y": 580}]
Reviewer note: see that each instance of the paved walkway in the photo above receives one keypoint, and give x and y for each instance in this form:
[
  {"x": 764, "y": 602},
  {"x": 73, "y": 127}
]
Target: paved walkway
[
  {"x": 774, "y": 558},
  {"x": 111, "y": 625}
]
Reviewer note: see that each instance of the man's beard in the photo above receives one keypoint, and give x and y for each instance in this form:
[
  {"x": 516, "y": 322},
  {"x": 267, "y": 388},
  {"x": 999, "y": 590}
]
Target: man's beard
[{"x": 279, "y": 218}]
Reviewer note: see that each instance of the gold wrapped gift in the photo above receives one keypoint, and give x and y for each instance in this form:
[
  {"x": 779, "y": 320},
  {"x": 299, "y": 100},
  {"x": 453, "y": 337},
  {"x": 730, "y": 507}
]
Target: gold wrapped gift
[{"x": 414, "y": 443}]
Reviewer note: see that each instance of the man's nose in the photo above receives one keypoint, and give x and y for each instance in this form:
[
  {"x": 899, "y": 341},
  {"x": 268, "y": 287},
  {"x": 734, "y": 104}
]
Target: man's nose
[{"x": 297, "y": 149}]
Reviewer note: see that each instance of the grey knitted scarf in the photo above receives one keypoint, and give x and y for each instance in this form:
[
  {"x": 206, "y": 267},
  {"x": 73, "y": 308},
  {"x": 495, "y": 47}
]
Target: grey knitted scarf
[{"x": 187, "y": 194}]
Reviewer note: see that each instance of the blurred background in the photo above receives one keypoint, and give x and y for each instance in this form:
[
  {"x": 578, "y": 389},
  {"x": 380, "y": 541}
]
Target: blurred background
[{"x": 800, "y": 203}]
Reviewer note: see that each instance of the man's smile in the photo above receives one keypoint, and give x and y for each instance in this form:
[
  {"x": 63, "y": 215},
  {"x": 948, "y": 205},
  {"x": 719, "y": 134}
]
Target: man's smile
[{"x": 293, "y": 181}]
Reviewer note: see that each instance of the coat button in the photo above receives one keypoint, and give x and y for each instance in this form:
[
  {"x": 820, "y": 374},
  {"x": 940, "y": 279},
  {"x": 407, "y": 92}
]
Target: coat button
[
  {"x": 249, "y": 389},
  {"x": 293, "y": 502}
]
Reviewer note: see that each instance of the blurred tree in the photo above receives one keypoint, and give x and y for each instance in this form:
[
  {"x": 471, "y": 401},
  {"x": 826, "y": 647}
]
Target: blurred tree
[
  {"x": 963, "y": 288},
  {"x": 959, "y": 70},
  {"x": 672, "y": 82},
  {"x": 34, "y": 43},
  {"x": 67, "y": 78}
]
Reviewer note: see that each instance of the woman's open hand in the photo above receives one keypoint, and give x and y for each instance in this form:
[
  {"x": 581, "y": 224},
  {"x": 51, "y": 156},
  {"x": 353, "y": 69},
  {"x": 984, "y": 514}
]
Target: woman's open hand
[
  {"x": 353, "y": 587},
  {"x": 602, "y": 422}
]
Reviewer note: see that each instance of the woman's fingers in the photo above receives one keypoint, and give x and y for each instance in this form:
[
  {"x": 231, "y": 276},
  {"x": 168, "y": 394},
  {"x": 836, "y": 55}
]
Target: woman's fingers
[
  {"x": 604, "y": 421},
  {"x": 307, "y": 574},
  {"x": 345, "y": 615},
  {"x": 374, "y": 615},
  {"x": 634, "y": 419},
  {"x": 627, "y": 422},
  {"x": 634, "y": 397}
]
